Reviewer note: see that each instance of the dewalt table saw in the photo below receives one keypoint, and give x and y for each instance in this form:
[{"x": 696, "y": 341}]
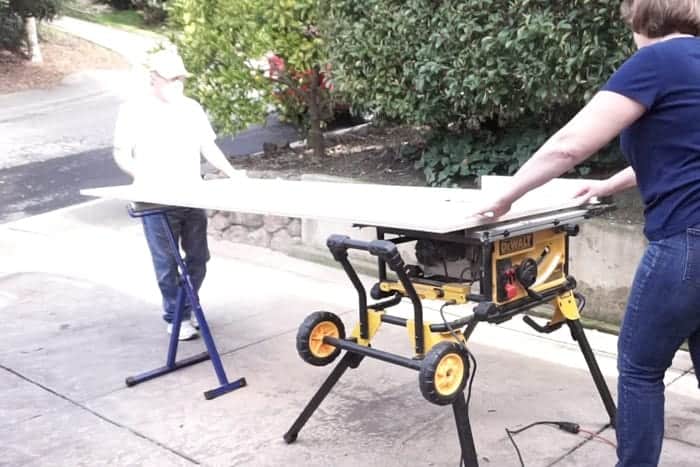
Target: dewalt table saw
[
  {"x": 499, "y": 268},
  {"x": 503, "y": 269}
]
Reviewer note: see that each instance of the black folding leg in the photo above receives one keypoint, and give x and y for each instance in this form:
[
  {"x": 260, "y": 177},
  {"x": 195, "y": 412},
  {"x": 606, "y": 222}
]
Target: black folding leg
[
  {"x": 349, "y": 360},
  {"x": 579, "y": 336},
  {"x": 464, "y": 430}
]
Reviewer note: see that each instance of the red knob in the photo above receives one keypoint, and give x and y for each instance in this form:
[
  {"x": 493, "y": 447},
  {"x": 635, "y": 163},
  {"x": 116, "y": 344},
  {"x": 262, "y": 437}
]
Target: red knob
[{"x": 511, "y": 291}]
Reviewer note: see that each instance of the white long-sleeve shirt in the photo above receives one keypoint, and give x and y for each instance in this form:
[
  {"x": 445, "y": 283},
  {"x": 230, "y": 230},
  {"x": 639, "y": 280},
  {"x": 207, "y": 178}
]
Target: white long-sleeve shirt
[{"x": 162, "y": 142}]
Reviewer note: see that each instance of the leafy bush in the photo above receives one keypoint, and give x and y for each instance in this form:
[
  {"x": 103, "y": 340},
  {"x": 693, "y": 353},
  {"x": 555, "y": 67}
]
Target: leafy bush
[
  {"x": 492, "y": 77},
  {"x": 450, "y": 157},
  {"x": 224, "y": 44},
  {"x": 474, "y": 63},
  {"x": 154, "y": 12},
  {"x": 39, "y": 9},
  {"x": 293, "y": 27},
  {"x": 13, "y": 35},
  {"x": 291, "y": 92},
  {"x": 11, "y": 29},
  {"x": 121, "y": 4},
  {"x": 217, "y": 38}
]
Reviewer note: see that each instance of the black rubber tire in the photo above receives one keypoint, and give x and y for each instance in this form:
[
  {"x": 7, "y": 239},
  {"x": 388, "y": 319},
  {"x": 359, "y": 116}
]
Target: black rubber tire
[
  {"x": 426, "y": 375},
  {"x": 304, "y": 336}
]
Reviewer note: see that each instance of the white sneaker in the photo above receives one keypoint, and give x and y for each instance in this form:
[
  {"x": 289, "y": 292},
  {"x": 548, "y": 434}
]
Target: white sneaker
[
  {"x": 194, "y": 322},
  {"x": 187, "y": 331}
]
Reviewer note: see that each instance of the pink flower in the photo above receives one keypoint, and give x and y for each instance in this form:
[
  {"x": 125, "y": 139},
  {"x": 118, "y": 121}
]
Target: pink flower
[{"x": 277, "y": 65}]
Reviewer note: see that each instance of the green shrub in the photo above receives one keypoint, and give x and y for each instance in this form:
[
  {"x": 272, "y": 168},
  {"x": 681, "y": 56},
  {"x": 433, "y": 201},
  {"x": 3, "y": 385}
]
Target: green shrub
[
  {"x": 451, "y": 157},
  {"x": 474, "y": 63},
  {"x": 295, "y": 37},
  {"x": 120, "y": 4},
  {"x": 217, "y": 39},
  {"x": 154, "y": 12},
  {"x": 500, "y": 74},
  {"x": 225, "y": 44},
  {"x": 39, "y": 9},
  {"x": 11, "y": 29},
  {"x": 12, "y": 13}
]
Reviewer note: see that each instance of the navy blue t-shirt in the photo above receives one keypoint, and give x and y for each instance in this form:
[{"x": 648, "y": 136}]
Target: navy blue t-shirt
[{"x": 663, "y": 146}]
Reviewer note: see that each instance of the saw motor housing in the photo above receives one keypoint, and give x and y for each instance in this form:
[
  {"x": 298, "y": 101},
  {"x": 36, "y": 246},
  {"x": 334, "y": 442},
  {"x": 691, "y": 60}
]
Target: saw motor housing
[{"x": 501, "y": 268}]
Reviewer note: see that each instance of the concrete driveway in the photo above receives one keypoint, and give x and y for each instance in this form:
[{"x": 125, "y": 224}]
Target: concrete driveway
[{"x": 80, "y": 313}]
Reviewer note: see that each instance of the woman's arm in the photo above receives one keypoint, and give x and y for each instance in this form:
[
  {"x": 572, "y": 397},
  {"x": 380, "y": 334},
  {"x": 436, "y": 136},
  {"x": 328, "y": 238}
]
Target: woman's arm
[{"x": 601, "y": 120}]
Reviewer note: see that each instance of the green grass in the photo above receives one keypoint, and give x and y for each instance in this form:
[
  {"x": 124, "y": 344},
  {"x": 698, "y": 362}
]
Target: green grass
[{"x": 130, "y": 20}]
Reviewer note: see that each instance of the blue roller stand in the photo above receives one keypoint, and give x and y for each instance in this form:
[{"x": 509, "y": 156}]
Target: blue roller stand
[{"x": 186, "y": 292}]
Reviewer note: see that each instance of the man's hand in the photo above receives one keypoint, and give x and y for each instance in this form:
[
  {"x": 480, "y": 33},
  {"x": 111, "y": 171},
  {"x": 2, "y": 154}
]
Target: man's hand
[{"x": 213, "y": 154}]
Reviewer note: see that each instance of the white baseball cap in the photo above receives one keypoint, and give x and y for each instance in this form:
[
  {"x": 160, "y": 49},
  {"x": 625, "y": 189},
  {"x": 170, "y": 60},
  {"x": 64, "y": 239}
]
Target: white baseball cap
[{"x": 168, "y": 64}]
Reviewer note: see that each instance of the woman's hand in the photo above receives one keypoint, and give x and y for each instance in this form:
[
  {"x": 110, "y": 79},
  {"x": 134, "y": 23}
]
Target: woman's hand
[
  {"x": 493, "y": 208},
  {"x": 622, "y": 180},
  {"x": 593, "y": 189}
]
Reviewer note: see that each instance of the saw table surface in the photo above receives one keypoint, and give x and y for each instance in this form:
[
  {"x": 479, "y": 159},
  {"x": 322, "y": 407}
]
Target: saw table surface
[{"x": 436, "y": 210}]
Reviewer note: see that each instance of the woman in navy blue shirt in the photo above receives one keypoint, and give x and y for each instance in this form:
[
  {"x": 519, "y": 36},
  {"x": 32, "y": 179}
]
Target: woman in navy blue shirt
[{"x": 653, "y": 103}]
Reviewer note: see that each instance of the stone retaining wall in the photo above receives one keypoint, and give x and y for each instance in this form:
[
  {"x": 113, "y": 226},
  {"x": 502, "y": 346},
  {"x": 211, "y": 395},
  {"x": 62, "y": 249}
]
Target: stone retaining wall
[{"x": 277, "y": 233}]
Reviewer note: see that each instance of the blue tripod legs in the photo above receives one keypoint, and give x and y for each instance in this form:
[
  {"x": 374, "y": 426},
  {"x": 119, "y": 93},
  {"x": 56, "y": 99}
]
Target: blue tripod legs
[
  {"x": 171, "y": 364},
  {"x": 225, "y": 389},
  {"x": 164, "y": 370},
  {"x": 226, "y": 386},
  {"x": 185, "y": 293}
]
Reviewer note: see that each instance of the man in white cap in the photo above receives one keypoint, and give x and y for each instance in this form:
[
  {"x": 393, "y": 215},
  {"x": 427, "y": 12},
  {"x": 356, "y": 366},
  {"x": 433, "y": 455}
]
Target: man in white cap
[{"x": 159, "y": 139}]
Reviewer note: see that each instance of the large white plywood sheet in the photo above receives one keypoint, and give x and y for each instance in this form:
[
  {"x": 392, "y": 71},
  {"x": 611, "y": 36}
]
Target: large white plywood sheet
[{"x": 437, "y": 210}]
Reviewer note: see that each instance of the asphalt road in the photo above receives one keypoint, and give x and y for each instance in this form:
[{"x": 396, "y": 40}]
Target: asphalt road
[
  {"x": 43, "y": 186},
  {"x": 72, "y": 118}
]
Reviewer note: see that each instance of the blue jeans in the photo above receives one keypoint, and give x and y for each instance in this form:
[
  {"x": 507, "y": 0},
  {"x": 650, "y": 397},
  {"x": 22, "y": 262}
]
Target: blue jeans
[
  {"x": 662, "y": 312},
  {"x": 189, "y": 227}
]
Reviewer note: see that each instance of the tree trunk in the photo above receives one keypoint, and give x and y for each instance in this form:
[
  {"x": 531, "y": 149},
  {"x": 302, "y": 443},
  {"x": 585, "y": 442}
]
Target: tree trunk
[
  {"x": 33, "y": 40},
  {"x": 315, "y": 134}
]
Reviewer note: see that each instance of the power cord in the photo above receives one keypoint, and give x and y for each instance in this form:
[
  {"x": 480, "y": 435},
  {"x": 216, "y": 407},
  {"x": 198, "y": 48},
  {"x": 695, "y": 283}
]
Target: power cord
[
  {"x": 569, "y": 427},
  {"x": 598, "y": 437},
  {"x": 470, "y": 356},
  {"x": 462, "y": 344}
]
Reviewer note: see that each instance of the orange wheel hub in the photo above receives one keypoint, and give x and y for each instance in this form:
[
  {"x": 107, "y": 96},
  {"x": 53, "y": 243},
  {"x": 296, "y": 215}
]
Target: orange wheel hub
[
  {"x": 318, "y": 348},
  {"x": 449, "y": 374}
]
